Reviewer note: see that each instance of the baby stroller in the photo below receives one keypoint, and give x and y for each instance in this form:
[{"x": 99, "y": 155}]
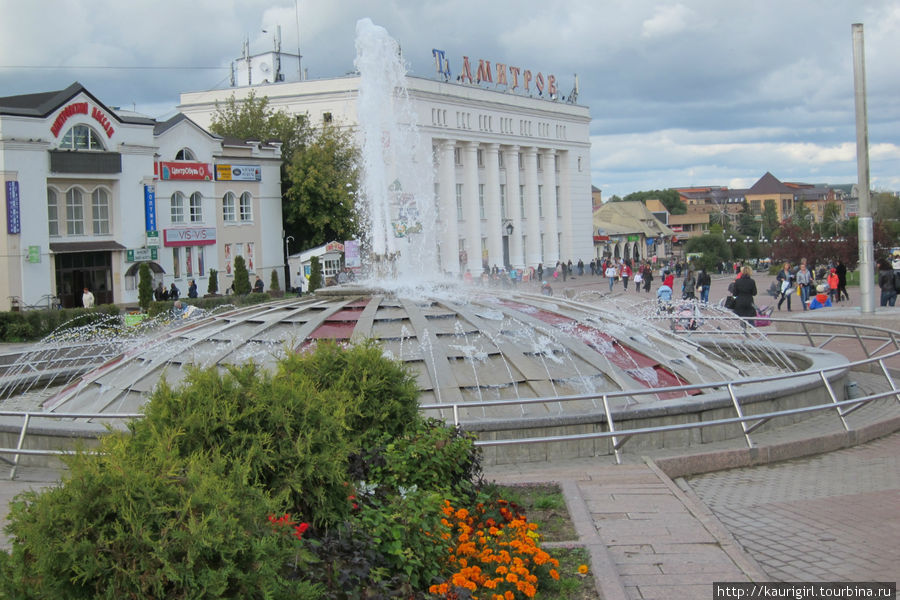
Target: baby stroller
[
  {"x": 763, "y": 316},
  {"x": 687, "y": 317}
]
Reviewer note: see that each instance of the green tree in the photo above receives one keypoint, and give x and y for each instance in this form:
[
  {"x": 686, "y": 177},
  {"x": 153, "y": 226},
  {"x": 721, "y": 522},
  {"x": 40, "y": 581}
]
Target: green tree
[
  {"x": 670, "y": 198},
  {"x": 315, "y": 274},
  {"x": 770, "y": 216},
  {"x": 241, "y": 277},
  {"x": 145, "y": 286},
  {"x": 254, "y": 119},
  {"x": 213, "y": 282},
  {"x": 274, "y": 285},
  {"x": 712, "y": 246},
  {"x": 319, "y": 206}
]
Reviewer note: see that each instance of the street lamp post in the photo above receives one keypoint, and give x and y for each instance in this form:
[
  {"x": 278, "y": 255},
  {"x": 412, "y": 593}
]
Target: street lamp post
[{"x": 287, "y": 267}]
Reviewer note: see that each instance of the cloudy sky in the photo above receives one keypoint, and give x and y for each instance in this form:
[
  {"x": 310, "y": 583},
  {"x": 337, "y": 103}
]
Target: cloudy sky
[{"x": 689, "y": 92}]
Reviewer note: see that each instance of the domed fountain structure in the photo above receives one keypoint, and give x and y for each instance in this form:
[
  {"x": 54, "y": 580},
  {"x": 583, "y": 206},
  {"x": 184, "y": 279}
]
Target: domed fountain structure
[{"x": 477, "y": 352}]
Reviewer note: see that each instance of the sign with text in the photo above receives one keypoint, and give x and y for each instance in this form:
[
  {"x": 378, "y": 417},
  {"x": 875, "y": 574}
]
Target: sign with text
[
  {"x": 150, "y": 207},
  {"x": 193, "y": 236},
  {"x": 34, "y": 254},
  {"x": 153, "y": 239},
  {"x": 141, "y": 254},
  {"x": 238, "y": 173},
  {"x": 185, "y": 170},
  {"x": 13, "y": 216}
]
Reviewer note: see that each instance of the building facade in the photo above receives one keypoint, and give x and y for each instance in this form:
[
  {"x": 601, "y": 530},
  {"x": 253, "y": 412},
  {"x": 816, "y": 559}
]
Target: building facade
[
  {"x": 511, "y": 173},
  {"x": 92, "y": 192}
]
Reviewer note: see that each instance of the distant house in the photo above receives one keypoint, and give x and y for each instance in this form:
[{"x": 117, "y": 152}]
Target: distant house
[{"x": 630, "y": 230}]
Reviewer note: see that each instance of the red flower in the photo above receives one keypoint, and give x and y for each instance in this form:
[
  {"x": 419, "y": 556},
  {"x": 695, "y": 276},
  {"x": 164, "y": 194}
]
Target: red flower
[{"x": 300, "y": 529}]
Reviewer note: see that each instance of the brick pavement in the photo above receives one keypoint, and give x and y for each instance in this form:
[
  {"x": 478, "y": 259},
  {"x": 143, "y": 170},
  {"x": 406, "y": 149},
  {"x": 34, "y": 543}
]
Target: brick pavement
[{"x": 833, "y": 517}]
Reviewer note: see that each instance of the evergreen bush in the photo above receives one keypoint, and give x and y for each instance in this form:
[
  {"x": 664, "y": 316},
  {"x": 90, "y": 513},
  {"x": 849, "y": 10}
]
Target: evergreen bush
[
  {"x": 145, "y": 287},
  {"x": 241, "y": 277},
  {"x": 213, "y": 287},
  {"x": 274, "y": 285},
  {"x": 315, "y": 274}
]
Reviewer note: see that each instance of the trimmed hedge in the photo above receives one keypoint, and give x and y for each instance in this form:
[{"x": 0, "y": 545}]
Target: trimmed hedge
[{"x": 38, "y": 324}]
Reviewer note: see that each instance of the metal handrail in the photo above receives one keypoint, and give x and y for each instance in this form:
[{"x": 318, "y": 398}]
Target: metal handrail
[{"x": 619, "y": 436}]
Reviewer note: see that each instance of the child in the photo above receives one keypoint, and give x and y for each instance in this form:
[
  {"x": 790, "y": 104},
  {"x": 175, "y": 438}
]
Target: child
[{"x": 821, "y": 299}]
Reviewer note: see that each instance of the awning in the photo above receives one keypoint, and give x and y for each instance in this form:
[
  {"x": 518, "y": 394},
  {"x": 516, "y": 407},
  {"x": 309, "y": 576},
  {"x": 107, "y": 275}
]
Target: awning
[
  {"x": 69, "y": 247},
  {"x": 133, "y": 269}
]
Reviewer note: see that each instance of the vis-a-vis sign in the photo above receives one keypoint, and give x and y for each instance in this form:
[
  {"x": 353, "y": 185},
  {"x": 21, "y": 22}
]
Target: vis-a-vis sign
[
  {"x": 238, "y": 173},
  {"x": 189, "y": 236}
]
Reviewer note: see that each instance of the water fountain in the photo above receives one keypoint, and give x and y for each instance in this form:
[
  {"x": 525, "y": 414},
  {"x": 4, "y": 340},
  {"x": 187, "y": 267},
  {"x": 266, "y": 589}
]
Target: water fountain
[{"x": 465, "y": 344}]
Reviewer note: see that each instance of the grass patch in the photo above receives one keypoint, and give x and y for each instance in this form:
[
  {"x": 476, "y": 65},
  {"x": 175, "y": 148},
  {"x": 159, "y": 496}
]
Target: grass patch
[
  {"x": 571, "y": 585},
  {"x": 543, "y": 504}
]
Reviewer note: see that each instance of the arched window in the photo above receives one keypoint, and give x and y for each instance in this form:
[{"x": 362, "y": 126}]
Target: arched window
[
  {"x": 228, "y": 214},
  {"x": 81, "y": 137},
  {"x": 196, "y": 207},
  {"x": 176, "y": 207},
  {"x": 246, "y": 207},
  {"x": 52, "y": 212},
  {"x": 100, "y": 211},
  {"x": 74, "y": 212},
  {"x": 185, "y": 154}
]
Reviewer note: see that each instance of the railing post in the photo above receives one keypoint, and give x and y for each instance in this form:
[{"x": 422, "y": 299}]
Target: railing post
[
  {"x": 12, "y": 472},
  {"x": 890, "y": 379},
  {"x": 740, "y": 414},
  {"x": 834, "y": 399},
  {"x": 612, "y": 428},
  {"x": 456, "y": 415}
]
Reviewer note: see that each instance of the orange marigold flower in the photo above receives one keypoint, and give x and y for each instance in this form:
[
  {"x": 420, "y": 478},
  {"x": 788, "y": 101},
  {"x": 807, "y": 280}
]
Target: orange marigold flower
[
  {"x": 554, "y": 574},
  {"x": 501, "y": 570},
  {"x": 512, "y": 577},
  {"x": 461, "y": 514},
  {"x": 508, "y": 595},
  {"x": 582, "y": 569}
]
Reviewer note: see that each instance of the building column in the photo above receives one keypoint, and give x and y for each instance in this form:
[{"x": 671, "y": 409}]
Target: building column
[
  {"x": 552, "y": 251},
  {"x": 566, "y": 226},
  {"x": 471, "y": 212},
  {"x": 449, "y": 239},
  {"x": 492, "y": 205},
  {"x": 533, "y": 250},
  {"x": 511, "y": 163}
]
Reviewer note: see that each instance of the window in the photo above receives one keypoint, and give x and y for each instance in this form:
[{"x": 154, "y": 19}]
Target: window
[
  {"x": 503, "y": 201},
  {"x": 521, "y": 161},
  {"x": 522, "y": 201},
  {"x": 228, "y": 208},
  {"x": 540, "y": 201},
  {"x": 457, "y": 156},
  {"x": 100, "y": 211},
  {"x": 481, "y": 200},
  {"x": 176, "y": 262},
  {"x": 185, "y": 154},
  {"x": 246, "y": 208},
  {"x": 189, "y": 261},
  {"x": 326, "y": 117},
  {"x": 459, "y": 200},
  {"x": 176, "y": 208},
  {"x": 81, "y": 137},
  {"x": 196, "y": 207},
  {"x": 558, "y": 209},
  {"x": 74, "y": 212},
  {"x": 500, "y": 159},
  {"x": 480, "y": 154},
  {"x": 52, "y": 212},
  {"x": 540, "y": 163}
]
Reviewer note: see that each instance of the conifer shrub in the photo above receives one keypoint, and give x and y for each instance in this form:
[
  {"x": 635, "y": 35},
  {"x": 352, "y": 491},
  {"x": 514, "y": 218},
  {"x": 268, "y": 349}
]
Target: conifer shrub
[
  {"x": 241, "y": 276},
  {"x": 315, "y": 274}
]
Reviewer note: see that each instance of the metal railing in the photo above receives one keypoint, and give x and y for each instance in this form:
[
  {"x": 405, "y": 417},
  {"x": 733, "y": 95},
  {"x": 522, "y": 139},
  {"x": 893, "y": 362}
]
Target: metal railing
[
  {"x": 748, "y": 423},
  {"x": 26, "y": 417}
]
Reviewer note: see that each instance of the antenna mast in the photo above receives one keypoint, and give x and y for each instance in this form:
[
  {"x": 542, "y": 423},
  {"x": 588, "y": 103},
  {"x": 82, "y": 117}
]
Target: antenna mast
[{"x": 299, "y": 57}]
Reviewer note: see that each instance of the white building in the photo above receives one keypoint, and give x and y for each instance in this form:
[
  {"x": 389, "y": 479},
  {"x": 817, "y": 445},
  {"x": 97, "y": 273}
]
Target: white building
[
  {"x": 91, "y": 192},
  {"x": 511, "y": 170}
]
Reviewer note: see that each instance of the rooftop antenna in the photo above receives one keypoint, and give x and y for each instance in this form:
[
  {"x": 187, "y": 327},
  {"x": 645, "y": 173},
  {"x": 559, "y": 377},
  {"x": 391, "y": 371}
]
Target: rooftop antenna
[
  {"x": 573, "y": 95},
  {"x": 247, "y": 59},
  {"x": 299, "y": 57},
  {"x": 278, "y": 76}
]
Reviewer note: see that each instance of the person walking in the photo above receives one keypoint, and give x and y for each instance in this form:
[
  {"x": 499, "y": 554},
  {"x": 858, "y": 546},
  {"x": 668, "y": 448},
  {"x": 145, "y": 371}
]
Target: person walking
[
  {"x": 841, "y": 270},
  {"x": 87, "y": 298},
  {"x": 192, "y": 289},
  {"x": 611, "y": 274},
  {"x": 626, "y": 275},
  {"x": 803, "y": 279},
  {"x": 704, "y": 282},
  {"x": 886, "y": 276},
  {"x": 688, "y": 285},
  {"x": 744, "y": 293},
  {"x": 785, "y": 280},
  {"x": 833, "y": 285},
  {"x": 647, "y": 277}
]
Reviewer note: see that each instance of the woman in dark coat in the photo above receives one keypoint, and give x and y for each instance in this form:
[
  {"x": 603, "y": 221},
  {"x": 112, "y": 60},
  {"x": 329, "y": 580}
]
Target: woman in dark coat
[{"x": 744, "y": 291}]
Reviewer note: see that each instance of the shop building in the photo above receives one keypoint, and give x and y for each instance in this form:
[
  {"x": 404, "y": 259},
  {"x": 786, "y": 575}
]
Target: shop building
[
  {"x": 510, "y": 156},
  {"x": 92, "y": 191}
]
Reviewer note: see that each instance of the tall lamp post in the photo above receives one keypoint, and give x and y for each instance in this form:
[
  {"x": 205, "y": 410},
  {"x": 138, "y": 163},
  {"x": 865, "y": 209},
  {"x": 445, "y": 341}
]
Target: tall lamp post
[{"x": 287, "y": 267}]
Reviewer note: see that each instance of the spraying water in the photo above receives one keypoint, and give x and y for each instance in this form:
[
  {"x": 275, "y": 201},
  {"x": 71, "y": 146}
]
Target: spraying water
[{"x": 397, "y": 188}]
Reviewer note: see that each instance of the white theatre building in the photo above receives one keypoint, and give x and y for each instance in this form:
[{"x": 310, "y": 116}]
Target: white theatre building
[{"x": 511, "y": 163}]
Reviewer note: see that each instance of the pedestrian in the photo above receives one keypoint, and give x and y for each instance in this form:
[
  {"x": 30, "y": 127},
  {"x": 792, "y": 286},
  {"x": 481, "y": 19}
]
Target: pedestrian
[
  {"x": 174, "y": 292},
  {"x": 546, "y": 289},
  {"x": 192, "y": 289},
  {"x": 744, "y": 292},
  {"x": 638, "y": 280},
  {"x": 886, "y": 281},
  {"x": 160, "y": 293},
  {"x": 540, "y": 271},
  {"x": 626, "y": 275},
  {"x": 688, "y": 285},
  {"x": 841, "y": 270},
  {"x": 704, "y": 281},
  {"x": 803, "y": 279},
  {"x": 833, "y": 285},
  {"x": 611, "y": 274},
  {"x": 647, "y": 277},
  {"x": 822, "y": 299},
  {"x": 785, "y": 281},
  {"x": 87, "y": 298}
]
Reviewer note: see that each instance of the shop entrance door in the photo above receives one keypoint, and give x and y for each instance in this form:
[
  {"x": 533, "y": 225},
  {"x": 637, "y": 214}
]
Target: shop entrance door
[{"x": 78, "y": 270}]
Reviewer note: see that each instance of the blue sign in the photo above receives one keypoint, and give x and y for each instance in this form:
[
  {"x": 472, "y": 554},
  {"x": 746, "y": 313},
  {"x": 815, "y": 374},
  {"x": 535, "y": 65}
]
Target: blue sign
[
  {"x": 13, "y": 217},
  {"x": 150, "y": 207}
]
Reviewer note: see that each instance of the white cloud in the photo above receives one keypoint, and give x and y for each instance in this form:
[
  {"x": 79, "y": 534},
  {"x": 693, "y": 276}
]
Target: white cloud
[{"x": 668, "y": 21}]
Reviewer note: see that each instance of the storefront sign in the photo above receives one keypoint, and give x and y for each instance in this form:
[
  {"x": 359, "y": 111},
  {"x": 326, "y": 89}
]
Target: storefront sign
[
  {"x": 150, "y": 207},
  {"x": 334, "y": 247},
  {"x": 141, "y": 254},
  {"x": 13, "y": 216},
  {"x": 153, "y": 239},
  {"x": 238, "y": 173},
  {"x": 185, "y": 170},
  {"x": 351, "y": 254},
  {"x": 507, "y": 76},
  {"x": 193, "y": 236},
  {"x": 633, "y": 238},
  {"x": 34, "y": 254},
  {"x": 81, "y": 108}
]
